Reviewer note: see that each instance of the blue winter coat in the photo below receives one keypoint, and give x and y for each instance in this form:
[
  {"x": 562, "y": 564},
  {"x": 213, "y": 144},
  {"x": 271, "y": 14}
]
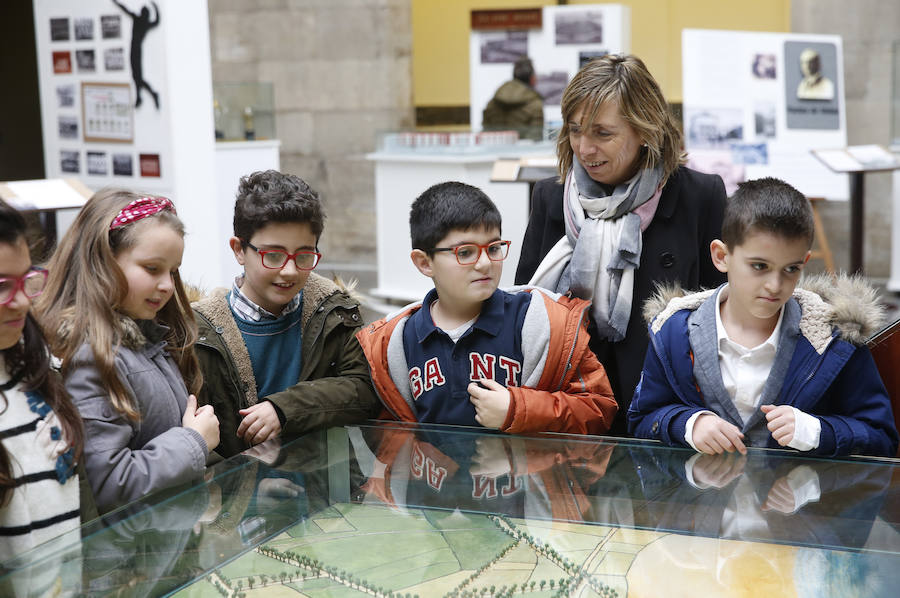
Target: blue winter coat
[{"x": 822, "y": 367}]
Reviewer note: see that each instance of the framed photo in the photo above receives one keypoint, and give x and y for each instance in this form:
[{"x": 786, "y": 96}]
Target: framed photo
[
  {"x": 86, "y": 60},
  {"x": 97, "y": 164},
  {"x": 59, "y": 29},
  {"x": 110, "y": 26},
  {"x": 122, "y": 165},
  {"x": 107, "y": 113},
  {"x": 62, "y": 62},
  {"x": 84, "y": 28},
  {"x": 114, "y": 59},
  {"x": 149, "y": 165}
]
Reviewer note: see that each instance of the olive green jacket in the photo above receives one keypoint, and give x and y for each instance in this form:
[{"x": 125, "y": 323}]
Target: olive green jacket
[{"x": 333, "y": 388}]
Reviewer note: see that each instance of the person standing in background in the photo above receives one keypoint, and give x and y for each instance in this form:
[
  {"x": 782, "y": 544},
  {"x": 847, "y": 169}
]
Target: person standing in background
[{"x": 516, "y": 106}]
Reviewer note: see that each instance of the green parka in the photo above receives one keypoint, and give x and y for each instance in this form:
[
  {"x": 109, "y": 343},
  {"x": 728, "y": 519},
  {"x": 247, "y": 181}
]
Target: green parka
[{"x": 333, "y": 388}]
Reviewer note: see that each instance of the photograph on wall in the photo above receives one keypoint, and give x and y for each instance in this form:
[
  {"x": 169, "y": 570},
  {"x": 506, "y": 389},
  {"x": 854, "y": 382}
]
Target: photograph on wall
[
  {"x": 712, "y": 128},
  {"x": 718, "y": 162},
  {"x": 579, "y": 27},
  {"x": 114, "y": 59},
  {"x": 551, "y": 85},
  {"x": 84, "y": 28},
  {"x": 750, "y": 153},
  {"x": 96, "y": 163},
  {"x": 149, "y": 165},
  {"x": 585, "y": 57},
  {"x": 86, "y": 60},
  {"x": 810, "y": 81},
  {"x": 68, "y": 161},
  {"x": 111, "y": 26},
  {"x": 107, "y": 113},
  {"x": 764, "y": 66},
  {"x": 764, "y": 119},
  {"x": 59, "y": 29},
  {"x": 122, "y": 165},
  {"x": 62, "y": 62},
  {"x": 68, "y": 127},
  {"x": 506, "y": 46},
  {"x": 65, "y": 96}
]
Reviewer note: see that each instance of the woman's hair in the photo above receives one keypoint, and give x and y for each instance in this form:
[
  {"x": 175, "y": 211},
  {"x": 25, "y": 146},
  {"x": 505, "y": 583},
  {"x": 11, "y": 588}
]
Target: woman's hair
[
  {"x": 86, "y": 288},
  {"x": 30, "y": 360},
  {"x": 626, "y": 82}
]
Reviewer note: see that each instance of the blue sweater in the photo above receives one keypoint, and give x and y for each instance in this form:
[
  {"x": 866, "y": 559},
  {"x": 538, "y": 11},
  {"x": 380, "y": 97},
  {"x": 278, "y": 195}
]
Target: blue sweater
[{"x": 274, "y": 348}]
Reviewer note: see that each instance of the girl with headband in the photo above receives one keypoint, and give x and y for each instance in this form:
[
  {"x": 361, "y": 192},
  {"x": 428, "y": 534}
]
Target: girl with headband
[{"x": 116, "y": 314}]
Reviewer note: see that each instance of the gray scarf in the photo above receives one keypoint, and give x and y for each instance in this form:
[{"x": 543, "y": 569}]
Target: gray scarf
[{"x": 602, "y": 247}]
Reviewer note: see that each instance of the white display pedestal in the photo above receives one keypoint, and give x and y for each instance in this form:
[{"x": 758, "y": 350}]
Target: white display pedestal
[
  {"x": 234, "y": 159},
  {"x": 401, "y": 177}
]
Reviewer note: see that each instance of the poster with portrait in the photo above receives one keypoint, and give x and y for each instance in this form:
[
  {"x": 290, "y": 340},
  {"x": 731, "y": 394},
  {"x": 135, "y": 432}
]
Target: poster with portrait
[
  {"x": 783, "y": 91},
  {"x": 810, "y": 85},
  {"x": 569, "y": 36}
]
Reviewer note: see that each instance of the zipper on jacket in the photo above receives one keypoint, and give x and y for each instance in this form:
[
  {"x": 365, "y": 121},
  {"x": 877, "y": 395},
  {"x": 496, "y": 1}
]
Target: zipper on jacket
[
  {"x": 229, "y": 359},
  {"x": 572, "y": 349}
]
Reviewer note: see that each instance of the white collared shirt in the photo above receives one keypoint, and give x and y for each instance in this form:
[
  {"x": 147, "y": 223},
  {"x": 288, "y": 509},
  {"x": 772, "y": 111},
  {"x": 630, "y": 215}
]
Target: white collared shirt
[
  {"x": 745, "y": 371},
  {"x": 744, "y": 374}
]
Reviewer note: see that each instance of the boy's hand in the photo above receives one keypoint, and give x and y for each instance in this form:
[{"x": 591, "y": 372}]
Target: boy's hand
[
  {"x": 781, "y": 422},
  {"x": 717, "y": 471},
  {"x": 203, "y": 420},
  {"x": 712, "y": 435},
  {"x": 491, "y": 402},
  {"x": 260, "y": 423}
]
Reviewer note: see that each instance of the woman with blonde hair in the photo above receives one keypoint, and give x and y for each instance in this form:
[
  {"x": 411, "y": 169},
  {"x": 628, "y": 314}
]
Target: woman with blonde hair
[
  {"x": 624, "y": 214},
  {"x": 116, "y": 314}
]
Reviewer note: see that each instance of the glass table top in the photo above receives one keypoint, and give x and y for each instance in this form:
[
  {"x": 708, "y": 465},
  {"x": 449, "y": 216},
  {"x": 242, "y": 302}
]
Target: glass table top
[{"x": 392, "y": 510}]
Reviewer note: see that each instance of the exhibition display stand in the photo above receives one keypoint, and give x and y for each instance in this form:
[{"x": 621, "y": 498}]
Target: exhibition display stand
[
  {"x": 857, "y": 161},
  {"x": 387, "y": 510},
  {"x": 402, "y": 175}
]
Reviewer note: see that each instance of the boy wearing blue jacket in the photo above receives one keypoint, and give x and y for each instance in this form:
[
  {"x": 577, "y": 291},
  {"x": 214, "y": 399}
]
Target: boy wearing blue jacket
[{"x": 758, "y": 361}]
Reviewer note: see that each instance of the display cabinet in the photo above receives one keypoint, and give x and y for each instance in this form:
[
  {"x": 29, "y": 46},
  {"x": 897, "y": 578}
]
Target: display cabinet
[
  {"x": 244, "y": 111},
  {"x": 389, "y": 510}
]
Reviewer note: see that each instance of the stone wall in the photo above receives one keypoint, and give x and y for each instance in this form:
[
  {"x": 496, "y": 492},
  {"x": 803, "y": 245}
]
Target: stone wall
[
  {"x": 868, "y": 29},
  {"x": 342, "y": 72}
]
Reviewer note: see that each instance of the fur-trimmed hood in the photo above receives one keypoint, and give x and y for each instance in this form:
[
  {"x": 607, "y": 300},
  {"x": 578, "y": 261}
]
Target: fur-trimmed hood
[
  {"x": 215, "y": 308},
  {"x": 847, "y": 303}
]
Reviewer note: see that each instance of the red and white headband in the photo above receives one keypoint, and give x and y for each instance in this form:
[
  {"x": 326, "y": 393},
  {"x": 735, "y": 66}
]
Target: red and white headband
[{"x": 141, "y": 208}]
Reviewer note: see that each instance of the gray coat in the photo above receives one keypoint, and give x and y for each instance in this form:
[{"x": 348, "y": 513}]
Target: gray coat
[{"x": 126, "y": 460}]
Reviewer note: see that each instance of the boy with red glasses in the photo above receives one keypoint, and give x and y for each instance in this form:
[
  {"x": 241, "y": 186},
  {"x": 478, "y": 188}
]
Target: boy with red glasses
[
  {"x": 470, "y": 354},
  {"x": 278, "y": 350}
]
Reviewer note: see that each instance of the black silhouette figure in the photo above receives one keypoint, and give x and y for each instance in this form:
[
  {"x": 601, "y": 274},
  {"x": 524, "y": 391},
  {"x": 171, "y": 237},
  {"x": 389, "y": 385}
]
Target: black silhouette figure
[{"x": 140, "y": 25}]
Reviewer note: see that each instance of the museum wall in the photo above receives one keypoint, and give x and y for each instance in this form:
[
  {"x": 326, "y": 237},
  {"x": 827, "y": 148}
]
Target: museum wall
[
  {"x": 868, "y": 29},
  {"x": 441, "y": 31},
  {"x": 341, "y": 71}
]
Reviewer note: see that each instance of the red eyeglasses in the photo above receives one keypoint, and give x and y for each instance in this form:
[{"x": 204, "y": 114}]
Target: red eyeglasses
[{"x": 32, "y": 284}]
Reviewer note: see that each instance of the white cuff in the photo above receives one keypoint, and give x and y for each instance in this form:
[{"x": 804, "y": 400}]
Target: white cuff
[
  {"x": 804, "y": 483},
  {"x": 689, "y": 429},
  {"x": 807, "y": 429},
  {"x": 689, "y": 472}
]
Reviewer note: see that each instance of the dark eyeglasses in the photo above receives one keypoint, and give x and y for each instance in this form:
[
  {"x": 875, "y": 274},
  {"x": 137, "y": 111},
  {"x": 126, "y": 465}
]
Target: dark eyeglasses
[
  {"x": 469, "y": 253},
  {"x": 32, "y": 284},
  {"x": 275, "y": 259}
]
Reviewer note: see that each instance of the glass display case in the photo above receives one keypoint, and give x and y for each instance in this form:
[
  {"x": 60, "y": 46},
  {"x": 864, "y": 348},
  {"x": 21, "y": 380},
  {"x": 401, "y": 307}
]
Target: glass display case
[
  {"x": 390, "y": 510},
  {"x": 244, "y": 111}
]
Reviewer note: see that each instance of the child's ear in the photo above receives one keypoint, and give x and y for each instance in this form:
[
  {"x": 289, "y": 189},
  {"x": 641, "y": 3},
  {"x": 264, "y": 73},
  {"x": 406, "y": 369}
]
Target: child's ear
[
  {"x": 421, "y": 261},
  {"x": 237, "y": 248},
  {"x": 718, "y": 251}
]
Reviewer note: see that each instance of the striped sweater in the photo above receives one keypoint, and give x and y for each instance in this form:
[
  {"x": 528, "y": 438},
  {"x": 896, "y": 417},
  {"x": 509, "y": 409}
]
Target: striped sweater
[{"x": 45, "y": 502}]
